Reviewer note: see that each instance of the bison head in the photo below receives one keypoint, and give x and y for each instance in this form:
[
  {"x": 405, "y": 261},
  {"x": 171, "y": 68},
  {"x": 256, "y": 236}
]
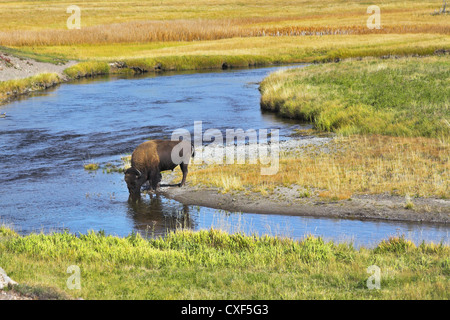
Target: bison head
[{"x": 132, "y": 178}]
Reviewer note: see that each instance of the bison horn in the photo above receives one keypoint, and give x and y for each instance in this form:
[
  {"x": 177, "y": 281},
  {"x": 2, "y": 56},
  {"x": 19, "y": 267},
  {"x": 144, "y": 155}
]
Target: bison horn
[{"x": 133, "y": 171}]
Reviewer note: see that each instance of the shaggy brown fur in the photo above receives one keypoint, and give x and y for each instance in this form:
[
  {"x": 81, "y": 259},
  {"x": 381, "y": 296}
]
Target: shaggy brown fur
[{"x": 145, "y": 156}]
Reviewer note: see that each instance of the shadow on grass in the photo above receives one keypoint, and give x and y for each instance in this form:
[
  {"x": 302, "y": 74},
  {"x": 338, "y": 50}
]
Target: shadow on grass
[{"x": 40, "y": 292}]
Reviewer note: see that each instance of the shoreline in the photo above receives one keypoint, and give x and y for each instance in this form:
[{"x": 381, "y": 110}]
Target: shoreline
[
  {"x": 28, "y": 70},
  {"x": 286, "y": 201},
  {"x": 74, "y": 70},
  {"x": 20, "y": 76},
  {"x": 361, "y": 207},
  {"x": 18, "y": 68}
]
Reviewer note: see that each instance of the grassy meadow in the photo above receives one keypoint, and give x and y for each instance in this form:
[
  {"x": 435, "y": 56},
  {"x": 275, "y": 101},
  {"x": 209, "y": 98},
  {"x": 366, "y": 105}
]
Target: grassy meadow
[
  {"x": 346, "y": 166},
  {"x": 136, "y": 21},
  {"x": 398, "y": 97},
  {"x": 282, "y": 49},
  {"x": 212, "y": 264},
  {"x": 132, "y": 29}
]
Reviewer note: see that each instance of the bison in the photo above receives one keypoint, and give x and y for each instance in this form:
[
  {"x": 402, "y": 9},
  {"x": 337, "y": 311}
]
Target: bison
[{"x": 152, "y": 157}]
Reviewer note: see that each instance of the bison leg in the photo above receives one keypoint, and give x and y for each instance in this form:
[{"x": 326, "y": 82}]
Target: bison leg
[
  {"x": 184, "y": 169},
  {"x": 159, "y": 179},
  {"x": 155, "y": 179}
]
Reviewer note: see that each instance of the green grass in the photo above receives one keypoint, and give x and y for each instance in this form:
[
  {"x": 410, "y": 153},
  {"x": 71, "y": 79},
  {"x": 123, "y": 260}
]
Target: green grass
[
  {"x": 29, "y": 54},
  {"x": 87, "y": 69},
  {"x": 286, "y": 48},
  {"x": 211, "y": 264},
  {"x": 91, "y": 166},
  {"x": 398, "y": 97},
  {"x": 197, "y": 62},
  {"x": 11, "y": 88}
]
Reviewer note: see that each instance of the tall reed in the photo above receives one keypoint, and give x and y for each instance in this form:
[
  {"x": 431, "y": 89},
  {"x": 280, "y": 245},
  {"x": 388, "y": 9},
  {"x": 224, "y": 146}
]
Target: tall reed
[{"x": 194, "y": 30}]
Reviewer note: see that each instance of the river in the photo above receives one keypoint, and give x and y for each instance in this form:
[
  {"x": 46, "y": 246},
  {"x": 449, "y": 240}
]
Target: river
[{"x": 47, "y": 138}]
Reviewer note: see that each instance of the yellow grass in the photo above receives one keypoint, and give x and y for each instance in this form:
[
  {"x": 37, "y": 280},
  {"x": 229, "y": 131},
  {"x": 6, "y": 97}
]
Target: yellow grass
[
  {"x": 347, "y": 166},
  {"x": 257, "y": 32},
  {"x": 29, "y": 23},
  {"x": 195, "y": 30},
  {"x": 282, "y": 49},
  {"x": 52, "y": 15}
]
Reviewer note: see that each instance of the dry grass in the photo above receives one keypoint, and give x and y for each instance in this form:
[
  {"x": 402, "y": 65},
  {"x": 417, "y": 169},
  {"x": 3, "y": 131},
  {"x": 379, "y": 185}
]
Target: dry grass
[
  {"x": 348, "y": 165},
  {"x": 260, "y": 32},
  {"x": 193, "y": 30},
  {"x": 269, "y": 49},
  {"x": 132, "y": 21}
]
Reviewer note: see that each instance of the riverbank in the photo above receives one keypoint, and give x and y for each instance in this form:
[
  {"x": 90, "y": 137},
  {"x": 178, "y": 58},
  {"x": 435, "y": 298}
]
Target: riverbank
[
  {"x": 90, "y": 60},
  {"x": 322, "y": 177},
  {"x": 394, "y": 168},
  {"x": 15, "y": 68},
  {"x": 397, "y": 97},
  {"x": 22, "y": 74},
  {"x": 382, "y": 207},
  {"x": 211, "y": 264}
]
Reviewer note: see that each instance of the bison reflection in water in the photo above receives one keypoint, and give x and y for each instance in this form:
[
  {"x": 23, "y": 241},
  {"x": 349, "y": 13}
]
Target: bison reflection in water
[
  {"x": 152, "y": 157},
  {"x": 158, "y": 215}
]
